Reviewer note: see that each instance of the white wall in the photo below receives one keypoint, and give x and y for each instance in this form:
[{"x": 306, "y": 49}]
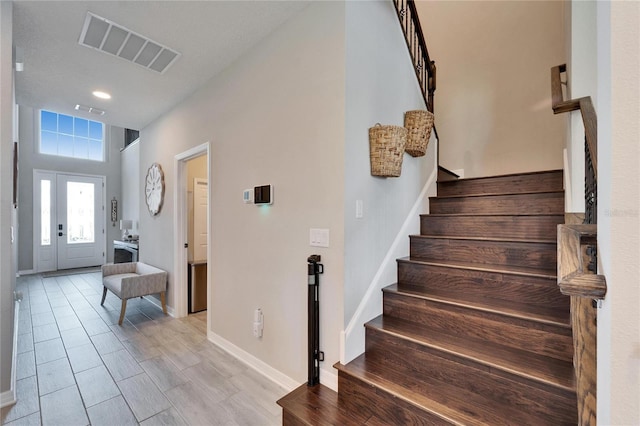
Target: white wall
[
  {"x": 31, "y": 159},
  {"x": 276, "y": 116},
  {"x": 493, "y": 99},
  {"x": 582, "y": 81},
  {"x": 619, "y": 211},
  {"x": 7, "y": 271},
  {"x": 131, "y": 189},
  {"x": 380, "y": 86}
]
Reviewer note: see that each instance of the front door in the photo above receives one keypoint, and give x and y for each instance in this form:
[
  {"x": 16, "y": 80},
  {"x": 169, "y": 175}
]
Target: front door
[{"x": 68, "y": 221}]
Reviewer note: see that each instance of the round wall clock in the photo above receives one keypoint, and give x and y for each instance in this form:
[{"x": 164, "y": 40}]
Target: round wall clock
[{"x": 154, "y": 189}]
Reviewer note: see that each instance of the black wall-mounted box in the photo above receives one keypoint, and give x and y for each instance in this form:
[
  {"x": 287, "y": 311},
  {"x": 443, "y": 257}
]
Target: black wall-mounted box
[{"x": 263, "y": 194}]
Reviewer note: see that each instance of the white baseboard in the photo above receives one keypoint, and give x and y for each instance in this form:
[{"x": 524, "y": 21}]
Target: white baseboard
[
  {"x": 26, "y": 272},
  {"x": 260, "y": 366},
  {"x": 352, "y": 338},
  {"x": 156, "y": 303},
  {"x": 459, "y": 172},
  {"x": 9, "y": 397},
  {"x": 329, "y": 378}
]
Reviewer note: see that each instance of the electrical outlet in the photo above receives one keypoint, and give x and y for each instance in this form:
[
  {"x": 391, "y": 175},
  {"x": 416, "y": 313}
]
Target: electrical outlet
[
  {"x": 257, "y": 329},
  {"x": 258, "y": 323}
]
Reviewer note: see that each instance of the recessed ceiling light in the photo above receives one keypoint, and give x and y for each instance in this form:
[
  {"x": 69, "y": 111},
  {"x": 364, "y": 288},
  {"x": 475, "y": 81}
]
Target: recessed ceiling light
[{"x": 101, "y": 95}]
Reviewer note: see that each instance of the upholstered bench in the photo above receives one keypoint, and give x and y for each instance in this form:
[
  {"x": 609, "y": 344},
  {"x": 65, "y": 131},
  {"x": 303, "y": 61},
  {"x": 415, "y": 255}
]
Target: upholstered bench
[{"x": 133, "y": 279}]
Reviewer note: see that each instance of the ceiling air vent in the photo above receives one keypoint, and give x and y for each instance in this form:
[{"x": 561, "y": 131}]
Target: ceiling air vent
[
  {"x": 89, "y": 109},
  {"x": 103, "y": 35}
]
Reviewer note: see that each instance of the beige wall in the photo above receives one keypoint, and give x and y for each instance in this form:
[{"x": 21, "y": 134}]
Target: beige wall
[
  {"x": 380, "y": 86},
  {"x": 493, "y": 107},
  {"x": 276, "y": 116},
  {"x": 7, "y": 271},
  {"x": 131, "y": 190},
  {"x": 619, "y": 211}
]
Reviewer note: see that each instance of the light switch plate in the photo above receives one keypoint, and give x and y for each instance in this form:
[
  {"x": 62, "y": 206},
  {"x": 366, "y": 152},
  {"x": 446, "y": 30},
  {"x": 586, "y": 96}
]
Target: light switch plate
[
  {"x": 359, "y": 209},
  {"x": 319, "y": 237}
]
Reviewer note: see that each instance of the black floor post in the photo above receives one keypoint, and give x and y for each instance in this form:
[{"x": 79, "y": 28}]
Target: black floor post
[{"x": 313, "y": 323}]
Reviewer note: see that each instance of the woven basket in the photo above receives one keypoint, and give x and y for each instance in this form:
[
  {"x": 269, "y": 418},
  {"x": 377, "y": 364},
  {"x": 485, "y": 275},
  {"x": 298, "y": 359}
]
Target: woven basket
[
  {"x": 418, "y": 124},
  {"x": 386, "y": 149}
]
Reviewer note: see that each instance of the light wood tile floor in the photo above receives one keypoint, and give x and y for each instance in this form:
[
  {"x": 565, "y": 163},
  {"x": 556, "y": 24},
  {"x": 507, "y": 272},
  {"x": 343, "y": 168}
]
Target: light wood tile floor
[{"x": 76, "y": 366}]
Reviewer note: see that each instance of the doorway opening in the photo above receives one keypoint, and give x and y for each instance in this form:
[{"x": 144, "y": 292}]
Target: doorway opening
[
  {"x": 68, "y": 221},
  {"x": 192, "y": 224}
]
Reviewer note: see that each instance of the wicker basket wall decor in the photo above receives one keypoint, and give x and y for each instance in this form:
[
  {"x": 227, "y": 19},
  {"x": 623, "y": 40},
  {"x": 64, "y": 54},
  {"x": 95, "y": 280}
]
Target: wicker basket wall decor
[
  {"x": 419, "y": 124},
  {"x": 386, "y": 149}
]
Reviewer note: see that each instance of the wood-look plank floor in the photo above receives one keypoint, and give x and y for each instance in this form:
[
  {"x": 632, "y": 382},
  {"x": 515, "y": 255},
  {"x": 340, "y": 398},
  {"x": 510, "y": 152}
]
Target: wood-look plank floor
[{"x": 76, "y": 366}]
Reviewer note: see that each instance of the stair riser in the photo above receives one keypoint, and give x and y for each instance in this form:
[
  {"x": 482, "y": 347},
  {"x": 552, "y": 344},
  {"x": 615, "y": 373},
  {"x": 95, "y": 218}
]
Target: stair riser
[
  {"x": 471, "y": 284},
  {"x": 548, "y": 181},
  {"x": 545, "y": 339},
  {"x": 533, "y": 255},
  {"x": 415, "y": 360},
  {"x": 356, "y": 395},
  {"x": 529, "y": 227},
  {"x": 289, "y": 419},
  {"x": 543, "y": 203}
]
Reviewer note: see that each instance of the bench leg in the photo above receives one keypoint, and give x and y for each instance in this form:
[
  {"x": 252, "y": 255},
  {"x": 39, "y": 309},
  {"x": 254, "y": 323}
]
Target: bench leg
[
  {"x": 104, "y": 295},
  {"x": 164, "y": 302},
  {"x": 123, "y": 309}
]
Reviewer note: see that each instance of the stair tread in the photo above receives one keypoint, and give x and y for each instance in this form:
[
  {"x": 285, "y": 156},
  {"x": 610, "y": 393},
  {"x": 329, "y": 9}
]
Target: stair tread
[
  {"x": 541, "y": 369},
  {"x": 484, "y": 267},
  {"x": 501, "y": 307},
  {"x": 498, "y": 194},
  {"x": 456, "y": 405},
  {"x": 496, "y": 239},
  {"x": 491, "y": 214},
  {"x": 319, "y": 405}
]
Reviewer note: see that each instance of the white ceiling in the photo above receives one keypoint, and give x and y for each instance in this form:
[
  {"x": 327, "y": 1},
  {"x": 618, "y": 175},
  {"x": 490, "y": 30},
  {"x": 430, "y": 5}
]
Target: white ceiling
[{"x": 60, "y": 73}]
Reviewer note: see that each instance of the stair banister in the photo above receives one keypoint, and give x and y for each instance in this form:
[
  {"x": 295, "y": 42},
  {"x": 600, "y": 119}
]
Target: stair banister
[{"x": 577, "y": 261}]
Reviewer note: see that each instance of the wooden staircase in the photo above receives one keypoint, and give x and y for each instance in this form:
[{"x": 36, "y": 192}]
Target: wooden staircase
[{"x": 475, "y": 331}]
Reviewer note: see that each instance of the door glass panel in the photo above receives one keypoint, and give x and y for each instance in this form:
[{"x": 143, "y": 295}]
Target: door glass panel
[
  {"x": 80, "y": 214},
  {"x": 45, "y": 212}
]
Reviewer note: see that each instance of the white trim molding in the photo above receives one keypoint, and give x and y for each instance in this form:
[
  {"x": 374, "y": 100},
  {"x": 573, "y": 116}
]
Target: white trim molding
[
  {"x": 10, "y": 397},
  {"x": 260, "y": 366}
]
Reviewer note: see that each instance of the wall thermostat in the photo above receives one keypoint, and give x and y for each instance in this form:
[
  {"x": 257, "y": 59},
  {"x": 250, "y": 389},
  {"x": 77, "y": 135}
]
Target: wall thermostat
[
  {"x": 263, "y": 194},
  {"x": 247, "y": 196}
]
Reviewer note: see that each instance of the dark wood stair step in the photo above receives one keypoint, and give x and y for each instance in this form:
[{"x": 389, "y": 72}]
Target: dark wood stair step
[
  {"x": 516, "y": 330},
  {"x": 317, "y": 406},
  {"x": 400, "y": 398},
  {"x": 469, "y": 281},
  {"x": 435, "y": 367},
  {"x": 537, "y": 370},
  {"x": 445, "y": 175},
  {"x": 541, "y": 314},
  {"x": 537, "y": 227},
  {"x": 521, "y": 203},
  {"x": 551, "y": 180},
  {"x": 526, "y": 253},
  {"x": 516, "y": 309}
]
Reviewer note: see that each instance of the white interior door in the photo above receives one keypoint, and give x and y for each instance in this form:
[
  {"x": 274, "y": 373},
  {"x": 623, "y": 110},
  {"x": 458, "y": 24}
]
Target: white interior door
[
  {"x": 69, "y": 221},
  {"x": 200, "y": 208}
]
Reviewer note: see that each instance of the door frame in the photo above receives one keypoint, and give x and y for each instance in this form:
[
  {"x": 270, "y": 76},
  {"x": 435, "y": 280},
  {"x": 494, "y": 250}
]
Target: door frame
[
  {"x": 180, "y": 288},
  {"x": 36, "y": 217}
]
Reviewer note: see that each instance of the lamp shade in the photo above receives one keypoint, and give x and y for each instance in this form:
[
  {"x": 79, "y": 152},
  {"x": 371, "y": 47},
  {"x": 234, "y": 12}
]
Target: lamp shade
[{"x": 125, "y": 224}]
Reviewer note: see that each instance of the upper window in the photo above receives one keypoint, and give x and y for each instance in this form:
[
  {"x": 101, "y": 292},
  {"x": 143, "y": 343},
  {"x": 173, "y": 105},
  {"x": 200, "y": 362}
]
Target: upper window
[{"x": 69, "y": 136}]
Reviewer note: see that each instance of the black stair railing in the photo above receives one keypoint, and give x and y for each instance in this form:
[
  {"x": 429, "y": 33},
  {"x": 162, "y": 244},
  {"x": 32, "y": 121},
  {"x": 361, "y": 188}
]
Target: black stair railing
[{"x": 424, "y": 67}]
